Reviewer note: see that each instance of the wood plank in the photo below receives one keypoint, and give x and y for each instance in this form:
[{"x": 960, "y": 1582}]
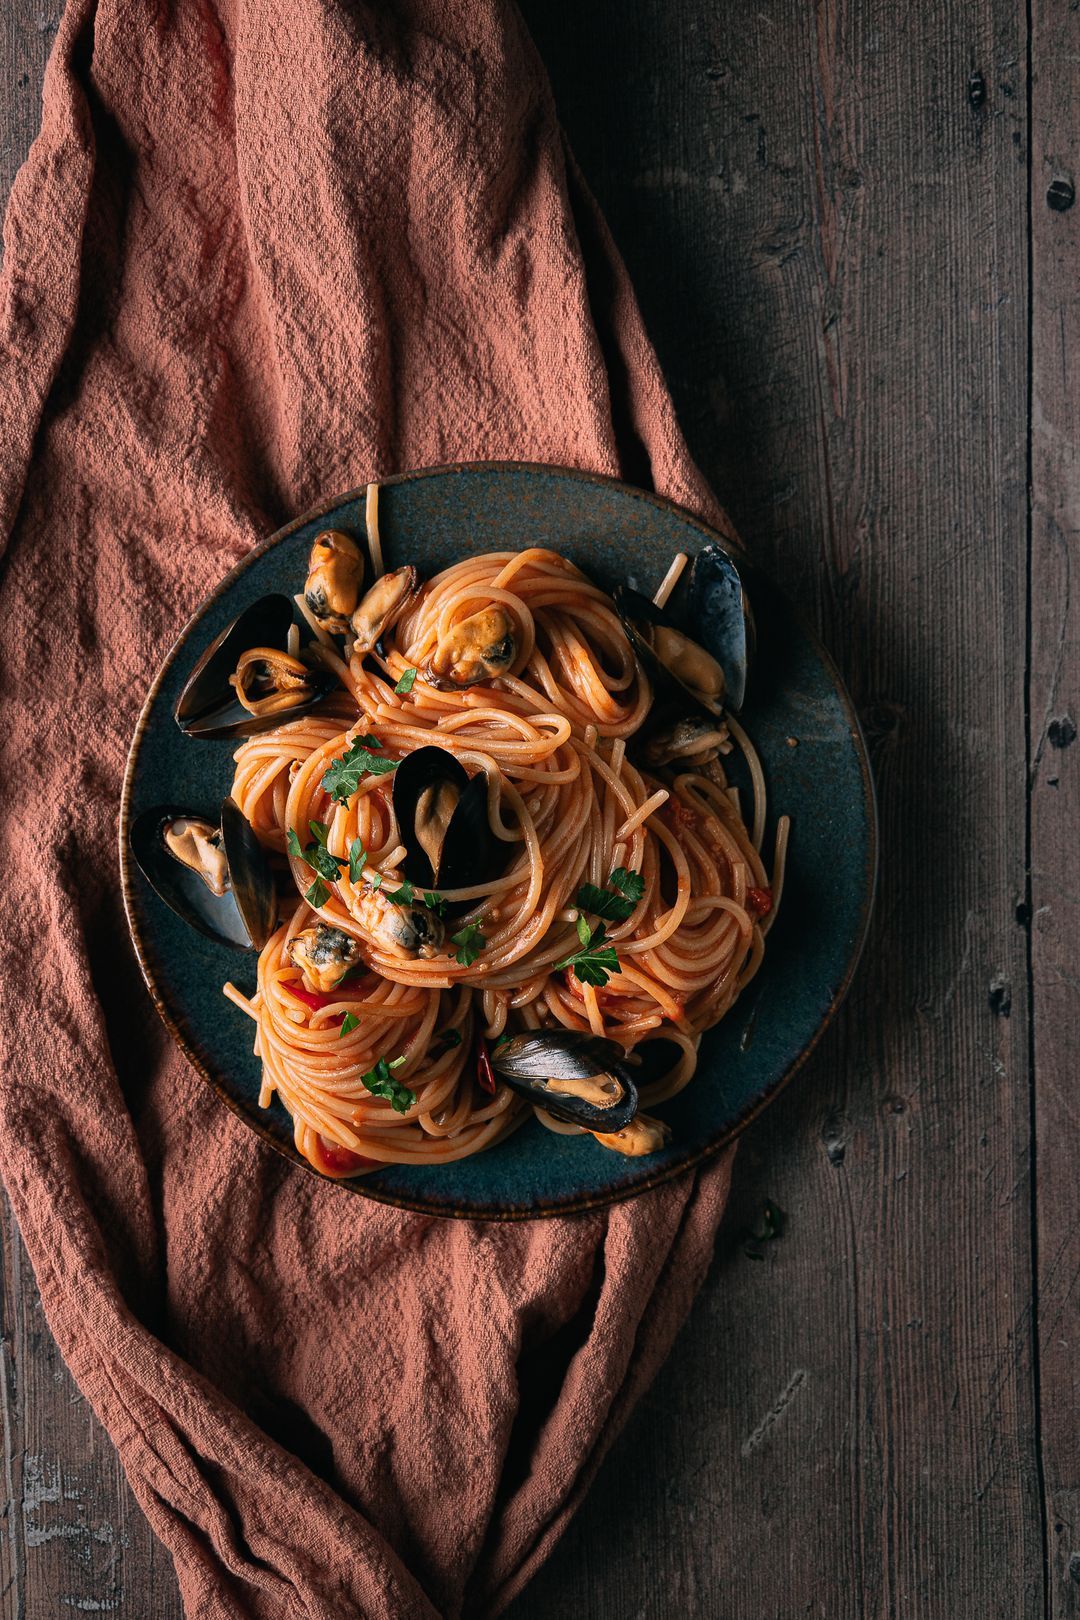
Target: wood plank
[
  {"x": 1055, "y": 772},
  {"x": 823, "y": 210}
]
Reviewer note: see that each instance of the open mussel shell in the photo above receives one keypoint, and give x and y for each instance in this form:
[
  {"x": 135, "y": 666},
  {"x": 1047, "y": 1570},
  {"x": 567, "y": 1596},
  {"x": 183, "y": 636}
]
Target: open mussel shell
[
  {"x": 573, "y": 1076},
  {"x": 246, "y": 914},
  {"x": 710, "y": 667},
  {"x": 208, "y": 705},
  {"x": 442, "y": 818},
  {"x": 720, "y": 611}
]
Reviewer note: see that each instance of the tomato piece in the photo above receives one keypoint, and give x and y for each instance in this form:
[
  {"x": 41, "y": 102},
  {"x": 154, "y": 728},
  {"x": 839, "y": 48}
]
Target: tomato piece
[
  {"x": 759, "y": 901},
  {"x": 314, "y": 999},
  {"x": 336, "y": 1160}
]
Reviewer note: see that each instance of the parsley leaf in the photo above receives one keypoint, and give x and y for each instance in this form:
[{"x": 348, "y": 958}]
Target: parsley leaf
[
  {"x": 595, "y": 962},
  {"x": 342, "y": 777},
  {"x": 632, "y": 884},
  {"x": 348, "y": 1024},
  {"x": 435, "y": 902},
  {"x": 316, "y": 855},
  {"x": 318, "y": 894},
  {"x": 603, "y": 902},
  {"x": 403, "y": 896},
  {"x": 405, "y": 684},
  {"x": 381, "y": 1083},
  {"x": 319, "y": 831},
  {"x": 357, "y": 859},
  {"x": 376, "y": 882},
  {"x": 470, "y": 942}
]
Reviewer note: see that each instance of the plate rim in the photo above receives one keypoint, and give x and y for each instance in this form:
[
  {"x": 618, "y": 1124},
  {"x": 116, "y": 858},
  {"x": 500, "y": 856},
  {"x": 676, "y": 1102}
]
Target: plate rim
[{"x": 366, "y": 1187}]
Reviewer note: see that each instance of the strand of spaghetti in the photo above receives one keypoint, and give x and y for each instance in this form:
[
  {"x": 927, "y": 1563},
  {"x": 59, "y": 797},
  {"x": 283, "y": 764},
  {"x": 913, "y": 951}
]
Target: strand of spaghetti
[
  {"x": 371, "y": 526},
  {"x": 642, "y": 814},
  {"x": 670, "y": 579}
]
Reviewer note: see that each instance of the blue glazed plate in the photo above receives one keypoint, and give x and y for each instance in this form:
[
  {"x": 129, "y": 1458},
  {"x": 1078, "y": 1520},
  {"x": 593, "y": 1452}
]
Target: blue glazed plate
[{"x": 822, "y": 781}]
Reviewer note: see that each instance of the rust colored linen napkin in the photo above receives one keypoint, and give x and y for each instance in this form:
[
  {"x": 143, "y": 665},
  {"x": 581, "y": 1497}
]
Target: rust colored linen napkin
[{"x": 258, "y": 255}]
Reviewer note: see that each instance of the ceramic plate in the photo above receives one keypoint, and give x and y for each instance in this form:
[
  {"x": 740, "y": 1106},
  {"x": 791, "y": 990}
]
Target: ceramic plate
[{"x": 797, "y": 713}]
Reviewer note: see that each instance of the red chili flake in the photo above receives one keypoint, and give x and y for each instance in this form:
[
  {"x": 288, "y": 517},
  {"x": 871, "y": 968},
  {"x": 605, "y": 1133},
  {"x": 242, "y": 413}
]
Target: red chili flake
[
  {"x": 311, "y": 998},
  {"x": 316, "y": 1001},
  {"x": 759, "y": 901},
  {"x": 340, "y": 1159},
  {"x": 485, "y": 1074}
]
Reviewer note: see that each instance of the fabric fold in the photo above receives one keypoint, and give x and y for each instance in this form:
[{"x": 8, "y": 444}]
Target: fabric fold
[{"x": 259, "y": 254}]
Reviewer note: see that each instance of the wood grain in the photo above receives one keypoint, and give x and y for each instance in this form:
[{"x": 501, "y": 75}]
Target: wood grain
[
  {"x": 1054, "y": 716},
  {"x": 825, "y": 212},
  {"x": 829, "y": 243}
]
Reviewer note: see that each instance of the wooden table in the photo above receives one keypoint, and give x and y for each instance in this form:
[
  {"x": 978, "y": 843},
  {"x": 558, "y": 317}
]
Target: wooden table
[{"x": 852, "y": 231}]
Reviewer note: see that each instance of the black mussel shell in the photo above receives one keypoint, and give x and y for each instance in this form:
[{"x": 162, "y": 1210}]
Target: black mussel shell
[
  {"x": 528, "y": 1062},
  {"x": 246, "y": 915},
  {"x": 720, "y": 608},
  {"x": 208, "y": 705},
  {"x": 639, "y": 617},
  {"x": 250, "y": 873},
  {"x": 470, "y": 852}
]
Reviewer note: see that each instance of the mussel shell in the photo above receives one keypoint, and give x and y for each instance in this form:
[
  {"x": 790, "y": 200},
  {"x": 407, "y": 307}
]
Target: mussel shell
[
  {"x": 720, "y": 608},
  {"x": 638, "y": 613},
  {"x": 527, "y": 1061},
  {"x": 246, "y": 915},
  {"x": 208, "y": 705},
  {"x": 250, "y": 874},
  {"x": 471, "y": 853}
]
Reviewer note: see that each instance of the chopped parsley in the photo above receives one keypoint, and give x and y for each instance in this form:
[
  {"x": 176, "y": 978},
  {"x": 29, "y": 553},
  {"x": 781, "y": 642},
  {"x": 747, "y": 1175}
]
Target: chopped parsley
[
  {"x": 381, "y": 1083},
  {"x": 470, "y": 942},
  {"x": 318, "y": 894},
  {"x": 435, "y": 902},
  {"x": 403, "y": 896},
  {"x": 405, "y": 684},
  {"x": 316, "y": 855},
  {"x": 357, "y": 859},
  {"x": 605, "y": 902},
  {"x": 348, "y": 1024},
  {"x": 632, "y": 884},
  {"x": 595, "y": 961},
  {"x": 343, "y": 776}
]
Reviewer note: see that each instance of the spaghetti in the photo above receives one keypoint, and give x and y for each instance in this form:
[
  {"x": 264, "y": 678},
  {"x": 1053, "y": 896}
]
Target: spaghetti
[{"x": 390, "y": 1063}]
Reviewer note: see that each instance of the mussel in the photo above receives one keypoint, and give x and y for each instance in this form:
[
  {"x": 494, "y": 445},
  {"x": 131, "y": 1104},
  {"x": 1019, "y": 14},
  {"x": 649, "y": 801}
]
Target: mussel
[
  {"x": 442, "y": 819},
  {"x": 324, "y": 955},
  {"x": 215, "y": 875},
  {"x": 414, "y": 929},
  {"x": 675, "y": 662},
  {"x": 643, "y": 1135},
  {"x": 335, "y": 575},
  {"x": 383, "y": 606},
  {"x": 674, "y": 738},
  {"x": 246, "y": 681},
  {"x": 712, "y": 672},
  {"x": 719, "y": 604},
  {"x": 479, "y": 648},
  {"x": 575, "y": 1077}
]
